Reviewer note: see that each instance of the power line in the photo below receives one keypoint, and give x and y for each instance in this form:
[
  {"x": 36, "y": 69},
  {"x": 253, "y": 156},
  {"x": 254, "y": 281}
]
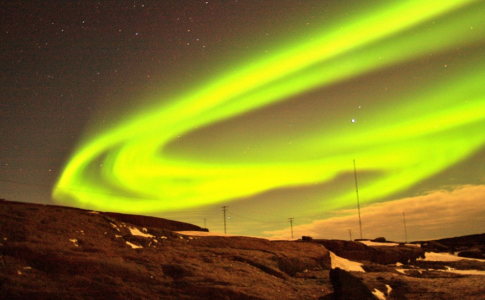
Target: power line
[
  {"x": 307, "y": 229},
  {"x": 233, "y": 214}
]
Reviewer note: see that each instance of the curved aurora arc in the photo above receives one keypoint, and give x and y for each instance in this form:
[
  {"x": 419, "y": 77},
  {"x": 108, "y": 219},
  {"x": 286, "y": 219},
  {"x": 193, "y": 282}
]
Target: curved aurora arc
[{"x": 139, "y": 176}]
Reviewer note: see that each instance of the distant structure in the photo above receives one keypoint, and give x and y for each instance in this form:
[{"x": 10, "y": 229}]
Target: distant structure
[
  {"x": 405, "y": 229},
  {"x": 291, "y": 225},
  {"x": 224, "y": 209},
  {"x": 358, "y": 202}
]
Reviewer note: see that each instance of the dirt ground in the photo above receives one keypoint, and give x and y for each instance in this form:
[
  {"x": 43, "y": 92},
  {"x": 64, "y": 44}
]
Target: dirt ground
[{"x": 50, "y": 252}]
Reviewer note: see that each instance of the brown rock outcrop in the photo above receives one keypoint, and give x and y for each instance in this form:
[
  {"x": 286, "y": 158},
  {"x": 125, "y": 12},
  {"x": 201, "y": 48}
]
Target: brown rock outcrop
[
  {"x": 376, "y": 254},
  {"x": 348, "y": 287},
  {"x": 472, "y": 253},
  {"x": 63, "y": 253},
  {"x": 147, "y": 221},
  {"x": 52, "y": 252}
]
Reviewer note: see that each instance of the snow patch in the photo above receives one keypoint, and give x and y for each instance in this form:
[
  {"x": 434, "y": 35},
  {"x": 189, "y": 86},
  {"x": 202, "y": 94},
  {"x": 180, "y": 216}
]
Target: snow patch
[
  {"x": 370, "y": 243},
  {"x": 389, "y": 289},
  {"x": 345, "y": 264},
  {"x": 466, "y": 272},
  {"x": 206, "y": 233},
  {"x": 133, "y": 245},
  {"x": 114, "y": 226},
  {"x": 433, "y": 256},
  {"x": 379, "y": 294},
  {"x": 75, "y": 242},
  {"x": 135, "y": 231}
]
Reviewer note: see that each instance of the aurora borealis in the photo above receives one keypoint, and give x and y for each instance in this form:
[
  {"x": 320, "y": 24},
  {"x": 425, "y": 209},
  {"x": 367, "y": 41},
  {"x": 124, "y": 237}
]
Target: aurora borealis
[{"x": 273, "y": 131}]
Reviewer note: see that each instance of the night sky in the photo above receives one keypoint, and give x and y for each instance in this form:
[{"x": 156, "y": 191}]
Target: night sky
[{"x": 177, "y": 108}]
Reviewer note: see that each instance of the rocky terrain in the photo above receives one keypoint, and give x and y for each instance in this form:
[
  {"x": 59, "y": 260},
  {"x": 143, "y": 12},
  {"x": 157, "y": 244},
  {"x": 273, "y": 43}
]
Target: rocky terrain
[{"x": 53, "y": 252}]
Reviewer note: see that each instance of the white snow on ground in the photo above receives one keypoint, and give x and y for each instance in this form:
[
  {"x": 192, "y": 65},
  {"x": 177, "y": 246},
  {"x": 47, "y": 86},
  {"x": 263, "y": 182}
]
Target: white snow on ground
[
  {"x": 379, "y": 294},
  {"x": 433, "y": 256},
  {"x": 336, "y": 261},
  {"x": 389, "y": 289},
  {"x": 133, "y": 245},
  {"x": 205, "y": 233},
  {"x": 74, "y": 241},
  {"x": 467, "y": 272},
  {"x": 345, "y": 264},
  {"x": 450, "y": 270},
  {"x": 355, "y": 266},
  {"x": 370, "y": 243},
  {"x": 114, "y": 226},
  {"x": 135, "y": 231},
  {"x": 202, "y": 233}
]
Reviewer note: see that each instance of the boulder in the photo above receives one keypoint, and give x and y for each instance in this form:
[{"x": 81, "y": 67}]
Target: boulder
[
  {"x": 472, "y": 253},
  {"x": 432, "y": 246},
  {"x": 390, "y": 255},
  {"x": 377, "y": 254},
  {"x": 348, "y": 287},
  {"x": 379, "y": 240}
]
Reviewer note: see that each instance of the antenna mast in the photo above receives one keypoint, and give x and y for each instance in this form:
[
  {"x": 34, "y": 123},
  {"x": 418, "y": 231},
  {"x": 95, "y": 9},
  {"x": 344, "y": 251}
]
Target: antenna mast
[
  {"x": 358, "y": 202},
  {"x": 224, "y": 209},
  {"x": 405, "y": 229},
  {"x": 291, "y": 224}
]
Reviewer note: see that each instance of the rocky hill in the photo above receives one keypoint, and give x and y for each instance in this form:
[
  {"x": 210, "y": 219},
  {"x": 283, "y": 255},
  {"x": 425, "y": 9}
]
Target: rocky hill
[
  {"x": 53, "y": 252},
  {"x": 471, "y": 246}
]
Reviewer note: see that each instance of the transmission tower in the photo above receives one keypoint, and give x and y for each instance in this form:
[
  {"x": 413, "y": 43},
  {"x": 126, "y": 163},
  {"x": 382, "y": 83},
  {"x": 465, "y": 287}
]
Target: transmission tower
[
  {"x": 224, "y": 209},
  {"x": 291, "y": 225},
  {"x": 405, "y": 229},
  {"x": 358, "y": 202}
]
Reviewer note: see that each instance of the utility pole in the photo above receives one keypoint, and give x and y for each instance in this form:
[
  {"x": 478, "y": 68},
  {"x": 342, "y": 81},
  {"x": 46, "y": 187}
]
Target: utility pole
[
  {"x": 405, "y": 230},
  {"x": 358, "y": 202},
  {"x": 224, "y": 209},
  {"x": 350, "y": 234},
  {"x": 291, "y": 225}
]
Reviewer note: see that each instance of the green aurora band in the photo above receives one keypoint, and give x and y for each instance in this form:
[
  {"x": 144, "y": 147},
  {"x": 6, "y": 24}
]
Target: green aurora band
[{"x": 405, "y": 147}]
